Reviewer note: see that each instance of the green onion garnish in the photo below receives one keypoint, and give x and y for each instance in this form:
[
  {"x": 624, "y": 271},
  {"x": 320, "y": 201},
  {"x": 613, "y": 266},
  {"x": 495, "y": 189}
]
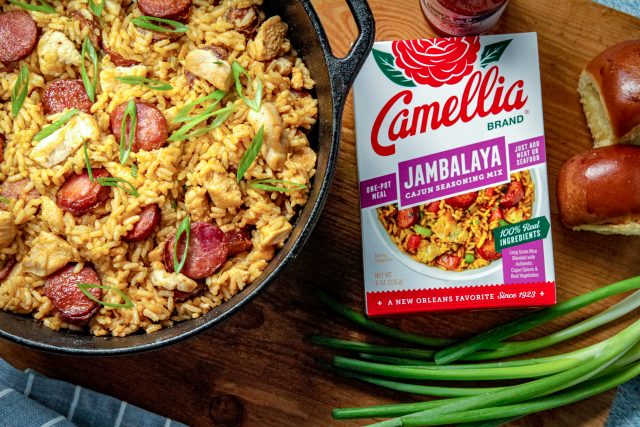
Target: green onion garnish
[
  {"x": 263, "y": 184},
  {"x": 250, "y": 155},
  {"x": 4, "y": 199},
  {"x": 502, "y": 223},
  {"x": 84, "y": 287},
  {"x": 237, "y": 71},
  {"x": 182, "y": 133},
  {"x": 88, "y": 162},
  {"x": 183, "y": 228},
  {"x": 146, "y": 22},
  {"x": 143, "y": 81},
  {"x": 20, "y": 90},
  {"x": 131, "y": 114},
  {"x": 96, "y": 8},
  {"x": 423, "y": 231},
  {"x": 124, "y": 185},
  {"x": 183, "y": 114},
  {"x": 89, "y": 85},
  {"x": 44, "y": 7},
  {"x": 134, "y": 170},
  {"x": 48, "y": 130}
]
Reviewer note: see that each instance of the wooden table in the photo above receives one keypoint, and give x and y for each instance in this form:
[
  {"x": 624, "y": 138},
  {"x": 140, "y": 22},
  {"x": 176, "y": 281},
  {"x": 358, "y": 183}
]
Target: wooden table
[{"x": 257, "y": 369}]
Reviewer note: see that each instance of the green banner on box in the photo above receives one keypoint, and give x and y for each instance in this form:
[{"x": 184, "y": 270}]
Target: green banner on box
[{"x": 522, "y": 232}]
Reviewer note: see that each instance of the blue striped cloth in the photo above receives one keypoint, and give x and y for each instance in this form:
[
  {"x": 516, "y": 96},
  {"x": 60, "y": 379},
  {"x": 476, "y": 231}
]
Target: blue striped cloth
[{"x": 30, "y": 399}]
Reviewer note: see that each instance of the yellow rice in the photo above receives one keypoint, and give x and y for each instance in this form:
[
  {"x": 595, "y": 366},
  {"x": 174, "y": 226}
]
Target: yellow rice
[{"x": 96, "y": 237}]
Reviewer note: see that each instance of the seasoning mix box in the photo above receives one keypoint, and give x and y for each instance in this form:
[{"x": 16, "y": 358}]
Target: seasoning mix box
[{"x": 453, "y": 179}]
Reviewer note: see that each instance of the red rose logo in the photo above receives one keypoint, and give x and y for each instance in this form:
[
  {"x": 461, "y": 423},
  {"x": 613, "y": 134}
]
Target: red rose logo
[{"x": 436, "y": 62}]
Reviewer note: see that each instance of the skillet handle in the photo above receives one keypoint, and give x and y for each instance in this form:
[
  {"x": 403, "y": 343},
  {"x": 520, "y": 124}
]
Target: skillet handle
[{"x": 343, "y": 71}]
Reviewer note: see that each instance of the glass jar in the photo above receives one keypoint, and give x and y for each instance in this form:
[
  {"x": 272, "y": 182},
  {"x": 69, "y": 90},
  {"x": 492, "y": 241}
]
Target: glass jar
[{"x": 463, "y": 17}]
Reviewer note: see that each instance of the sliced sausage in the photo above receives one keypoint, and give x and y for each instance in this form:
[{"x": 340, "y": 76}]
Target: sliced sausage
[
  {"x": 219, "y": 51},
  {"x": 79, "y": 195},
  {"x": 433, "y": 207},
  {"x": 408, "y": 217},
  {"x": 462, "y": 201},
  {"x": 168, "y": 9},
  {"x": 488, "y": 250},
  {"x": 449, "y": 262},
  {"x": 152, "y": 130},
  {"x": 245, "y": 20},
  {"x": 413, "y": 243},
  {"x": 208, "y": 250},
  {"x": 515, "y": 193},
  {"x": 17, "y": 190},
  {"x": 73, "y": 305},
  {"x": 239, "y": 241},
  {"x": 18, "y": 34},
  {"x": 149, "y": 219},
  {"x": 63, "y": 94},
  {"x": 118, "y": 60},
  {"x": 496, "y": 214},
  {"x": 6, "y": 268}
]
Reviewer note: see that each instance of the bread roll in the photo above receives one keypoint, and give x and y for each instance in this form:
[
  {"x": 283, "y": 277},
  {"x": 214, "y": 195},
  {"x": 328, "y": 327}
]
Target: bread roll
[
  {"x": 599, "y": 190},
  {"x": 610, "y": 94}
]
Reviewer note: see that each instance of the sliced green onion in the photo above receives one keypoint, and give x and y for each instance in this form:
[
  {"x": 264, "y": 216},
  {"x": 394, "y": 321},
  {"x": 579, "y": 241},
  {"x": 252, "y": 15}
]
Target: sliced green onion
[
  {"x": 502, "y": 222},
  {"x": 124, "y": 185},
  {"x": 147, "y": 22},
  {"x": 89, "y": 85},
  {"x": 20, "y": 90},
  {"x": 183, "y": 133},
  {"x": 131, "y": 115},
  {"x": 183, "y": 228},
  {"x": 237, "y": 71},
  {"x": 84, "y": 287},
  {"x": 134, "y": 170},
  {"x": 88, "y": 162},
  {"x": 4, "y": 199},
  {"x": 423, "y": 231},
  {"x": 48, "y": 130},
  {"x": 416, "y": 353},
  {"x": 44, "y": 7},
  {"x": 385, "y": 330},
  {"x": 96, "y": 9},
  {"x": 489, "y": 338},
  {"x": 143, "y": 81},
  {"x": 263, "y": 184},
  {"x": 250, "y": 155},
  {"x": 469, "y": 258},
  {"x": 183, "y": 114}
]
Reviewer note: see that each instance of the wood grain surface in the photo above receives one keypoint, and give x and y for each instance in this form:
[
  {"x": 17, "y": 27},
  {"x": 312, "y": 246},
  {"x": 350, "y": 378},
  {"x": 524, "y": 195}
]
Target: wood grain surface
[{"x": 258, "y": 369}]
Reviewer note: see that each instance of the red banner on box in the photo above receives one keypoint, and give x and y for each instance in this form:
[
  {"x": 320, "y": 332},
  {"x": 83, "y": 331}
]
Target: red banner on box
[{"x": 461, "y": 298}]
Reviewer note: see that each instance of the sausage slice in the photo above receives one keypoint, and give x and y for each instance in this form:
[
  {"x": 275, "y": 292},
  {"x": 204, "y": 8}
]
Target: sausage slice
[
  {"x": 152, "y": 130},
  {"x": 408, "y": 217},
  {"x": 239, "y": 241},
  {"x": 488, "y": 250},
  {"x": 462, "y": 201},
  {"x": 208, "y": 250},
  {"x": 18, "y": 35},
  {"x": 515, "y": 193},
  {"x": 7, "y": 266},
  {"x": 168, "y": 9},
  {"x": 119, "y": 60},
  {"x": 17, "y": 190},
  {"x": 73, "y": 305},
  {"x": 63, "y": 94},
  {"x": 79, "y": 195},
  {"x": 181, "y": 296},
  {"x": 149, "y": 219}
]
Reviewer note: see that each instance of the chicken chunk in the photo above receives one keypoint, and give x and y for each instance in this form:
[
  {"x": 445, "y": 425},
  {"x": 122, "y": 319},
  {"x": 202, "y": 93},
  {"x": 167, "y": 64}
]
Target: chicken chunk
[
  {"x": 269, "y": 41},
  {"x": 274, "y": 233},
  {"x": 275, "y": 145},
  {"x": 224, "y": 191},
  {"x": 108, "y": 76},
  {"x": 172, "y": 281},
  {"x": 48, "y": 254},
  {"x": 55, "y": 148},
  {"x": 52, "y": 215},
  {"x": 195, "y": 200},
  {"x": 55, "y": 51},
  {"x": 208, "y": 66},
  {"x": 8, "y": 229}
]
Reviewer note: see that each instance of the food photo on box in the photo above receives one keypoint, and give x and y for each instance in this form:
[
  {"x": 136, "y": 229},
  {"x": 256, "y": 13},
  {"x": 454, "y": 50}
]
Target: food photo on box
[{"x": 202, "y": 224}]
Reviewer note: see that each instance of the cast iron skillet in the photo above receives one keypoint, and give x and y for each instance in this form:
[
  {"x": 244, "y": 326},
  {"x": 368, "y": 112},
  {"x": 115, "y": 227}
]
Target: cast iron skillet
[{"x": 333, "y": 77}]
